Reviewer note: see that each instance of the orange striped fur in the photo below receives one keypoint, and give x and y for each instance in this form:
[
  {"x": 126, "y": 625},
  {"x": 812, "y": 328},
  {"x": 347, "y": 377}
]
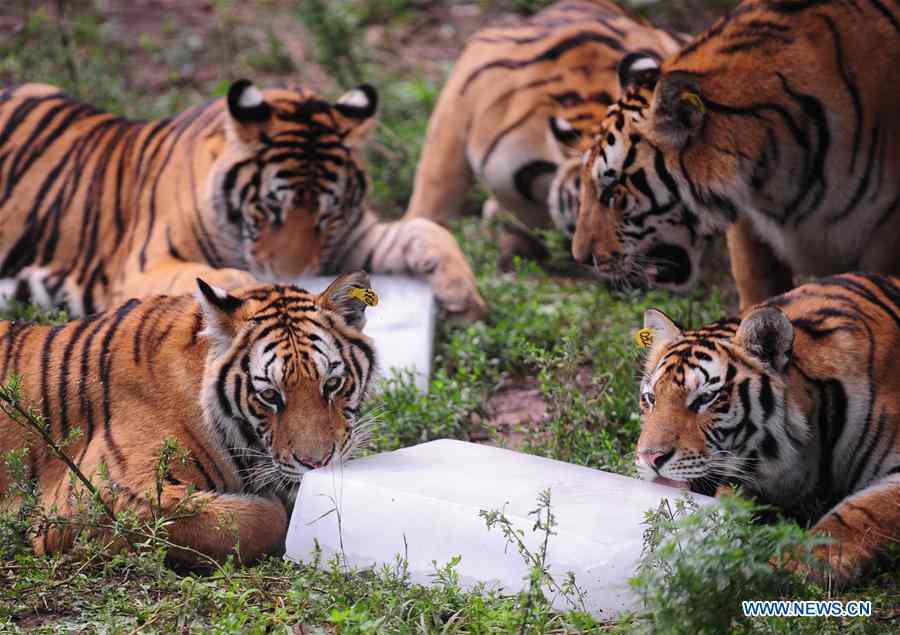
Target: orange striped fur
[
  {"x": 494, "y": 119},
  {"x": 258, "y": 186}
]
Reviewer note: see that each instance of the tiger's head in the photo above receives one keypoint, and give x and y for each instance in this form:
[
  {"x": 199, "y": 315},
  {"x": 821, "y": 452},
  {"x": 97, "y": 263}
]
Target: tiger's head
[
  {"x": 285, "y": 375},
  {"x": 715, "y": 404},
  {"x": 287, "y": 182},
  {"x": 634, "y": 225},
  {"x": 565, "y": 190}
]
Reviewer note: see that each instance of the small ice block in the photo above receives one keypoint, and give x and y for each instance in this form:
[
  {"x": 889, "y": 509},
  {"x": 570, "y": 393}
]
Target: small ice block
[
  {"x": 423, "y": 502},
  {"x": 402, "y": 324}
]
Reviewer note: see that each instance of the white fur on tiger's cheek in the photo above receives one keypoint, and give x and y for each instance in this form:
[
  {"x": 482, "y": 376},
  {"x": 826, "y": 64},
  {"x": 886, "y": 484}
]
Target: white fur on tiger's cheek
[
  {"x": 613, "y": 159},
  {"x": 355, "y": 98},
  {"x": 251, "y": 97}
]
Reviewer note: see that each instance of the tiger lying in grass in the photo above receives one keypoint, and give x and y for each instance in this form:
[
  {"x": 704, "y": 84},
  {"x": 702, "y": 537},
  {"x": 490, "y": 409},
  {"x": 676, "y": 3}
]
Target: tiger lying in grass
[
  {"x": 258, "y": 186},
  {"x": 799, "y": 402},
  {"x": 258, "y": 386}
]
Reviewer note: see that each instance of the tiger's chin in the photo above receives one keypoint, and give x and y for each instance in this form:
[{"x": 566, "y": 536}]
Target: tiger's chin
[
  {"x": 703, "y": 485},
  {"x": 665, "y": 266},
  {"x": 662, "y": 480}
]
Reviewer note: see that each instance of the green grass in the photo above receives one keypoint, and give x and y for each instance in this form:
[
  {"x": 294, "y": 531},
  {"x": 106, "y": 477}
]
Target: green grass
[{"x": 553, "y": 328}]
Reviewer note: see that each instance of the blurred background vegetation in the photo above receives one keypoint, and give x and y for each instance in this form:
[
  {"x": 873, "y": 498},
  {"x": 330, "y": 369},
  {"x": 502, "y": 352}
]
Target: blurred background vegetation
[{"x": 153, "y": 58}]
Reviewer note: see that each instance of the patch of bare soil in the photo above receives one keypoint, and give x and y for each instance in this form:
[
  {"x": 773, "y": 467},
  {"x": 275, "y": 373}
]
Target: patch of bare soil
[
  {"x": 517, "y": 410},
  {"x": 433, "y": 35},
  {"x": 205, "y": 40}
]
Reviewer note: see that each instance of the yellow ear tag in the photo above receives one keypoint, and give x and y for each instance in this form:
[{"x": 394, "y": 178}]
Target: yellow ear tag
[
  {"x": 366, "y": 296},
  {"x": 644, "y": 338},
  {"x": 694, "y": 100}
]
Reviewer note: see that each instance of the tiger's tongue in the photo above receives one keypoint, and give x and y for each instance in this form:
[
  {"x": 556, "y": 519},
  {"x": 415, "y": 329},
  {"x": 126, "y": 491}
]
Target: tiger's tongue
[{"x": 660, "y": 480}]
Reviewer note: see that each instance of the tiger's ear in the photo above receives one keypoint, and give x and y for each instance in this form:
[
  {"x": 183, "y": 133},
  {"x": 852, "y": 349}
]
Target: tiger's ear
[
  {"x": 566, "y": 135},
  {"x": 679, "y": 109},
  {"x": 638, "y": 70},
  {"x": 768, "y": 335},
  {"x": 248, "y": 109},
  {"x": 348, "y": 296},
  {"x": 357, "y": 107},
  {"x": 664, "y": 330},
  {"x": 220, "y": 314}
]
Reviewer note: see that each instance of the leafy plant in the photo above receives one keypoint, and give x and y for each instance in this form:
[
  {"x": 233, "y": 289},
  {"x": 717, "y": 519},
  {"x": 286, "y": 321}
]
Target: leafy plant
[{"x": 701, "y": 562}]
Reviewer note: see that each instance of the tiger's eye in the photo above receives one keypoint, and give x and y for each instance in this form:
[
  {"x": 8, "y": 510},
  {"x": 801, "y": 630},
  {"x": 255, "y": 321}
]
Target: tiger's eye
[
  {"x": 269, "y": 394},
  {"x": 332, "y": 384}
]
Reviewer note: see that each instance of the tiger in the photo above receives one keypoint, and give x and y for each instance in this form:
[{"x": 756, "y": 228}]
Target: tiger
[
  {"x": 257, "y": 386},
  {"x": 798, "y": 402},
  {"x": 495, "y": 119},
  {"x": 251, "y": 187},
  {"x": 773, "y": 125}
]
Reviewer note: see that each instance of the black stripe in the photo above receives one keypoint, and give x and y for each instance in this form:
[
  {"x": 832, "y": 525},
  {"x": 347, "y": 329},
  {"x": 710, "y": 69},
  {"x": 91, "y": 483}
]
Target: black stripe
[
  {"x": 105, "y": 372},
  {"x": 64, "y": 372},
  {"x": 86, "y": 382},
  {"x": 551, "y": 54},
  {"x": 850, "y": 84},
  {"x": 766, "y": 397},
  {"x": 46, "y": 358}
]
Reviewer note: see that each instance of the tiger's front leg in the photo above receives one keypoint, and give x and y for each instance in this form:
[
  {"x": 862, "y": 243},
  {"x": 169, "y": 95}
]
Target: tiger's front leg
[
  {"x": 177, "y": 278},
  {"x": 419, "y": 247},
  {"x": 217, "y": 525},
  {"x": 429, "y": 250},
  {"x": 861, "y": 525},
  {"x": 757, "y": 271},
  {"x": 203, "y": 523}
]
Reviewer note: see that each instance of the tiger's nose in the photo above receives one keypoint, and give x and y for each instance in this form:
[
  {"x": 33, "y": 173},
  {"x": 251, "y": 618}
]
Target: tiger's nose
[
  {"x": 655, "y": 458},
  {"x": 584, "y": 257}
]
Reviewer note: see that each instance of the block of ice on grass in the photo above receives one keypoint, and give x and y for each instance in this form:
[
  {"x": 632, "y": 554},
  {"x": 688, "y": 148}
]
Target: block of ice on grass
[
  {"x": 402, "y": 324},
  {"x": 424, "y": 501}
]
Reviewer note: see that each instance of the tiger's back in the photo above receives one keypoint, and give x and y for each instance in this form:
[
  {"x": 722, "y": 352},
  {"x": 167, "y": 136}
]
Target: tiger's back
[{"x": 61, "y": 159}]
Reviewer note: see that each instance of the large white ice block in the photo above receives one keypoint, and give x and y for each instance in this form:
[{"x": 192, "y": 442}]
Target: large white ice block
[
  {"x": 424, "y": 501},
  {"x": 402, "y": 324}
]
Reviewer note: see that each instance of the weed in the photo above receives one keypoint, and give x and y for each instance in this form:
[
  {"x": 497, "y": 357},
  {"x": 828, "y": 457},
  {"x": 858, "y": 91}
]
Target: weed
[
  {"x": 700, "y": 562},
  {"x": 534, "y": 604}
]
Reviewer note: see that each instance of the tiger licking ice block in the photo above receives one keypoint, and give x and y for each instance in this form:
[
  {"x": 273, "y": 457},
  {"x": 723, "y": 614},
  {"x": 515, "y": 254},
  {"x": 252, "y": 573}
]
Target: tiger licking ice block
[
  {"x": 797, "y": 402},
  {"x": 423, "y": 502},
  {"x": 255, "y": 387},
  {"x": 402, "y": 326}
]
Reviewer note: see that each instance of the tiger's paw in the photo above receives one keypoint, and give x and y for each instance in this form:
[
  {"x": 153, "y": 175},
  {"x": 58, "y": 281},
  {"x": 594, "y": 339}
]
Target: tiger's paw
[
  {"x": 436, "y": 255},
  {"x": 459, "y": 296},
  {"x": 831, "y": 566}
]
